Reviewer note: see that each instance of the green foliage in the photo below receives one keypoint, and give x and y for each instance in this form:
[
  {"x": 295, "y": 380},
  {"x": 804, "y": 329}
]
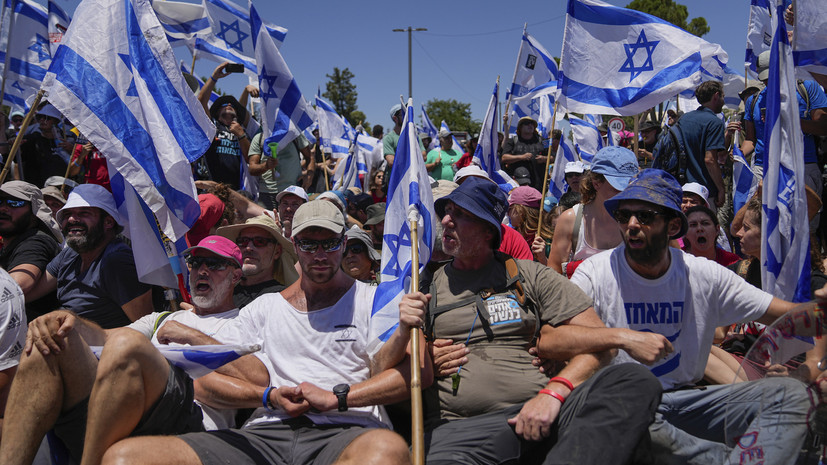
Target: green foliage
[
  {"x": 457, "y": 115},
  {"x": 357, "y": 117},
  {"x": 341, "y": 92},
  {"x": 675, "y": 13}
]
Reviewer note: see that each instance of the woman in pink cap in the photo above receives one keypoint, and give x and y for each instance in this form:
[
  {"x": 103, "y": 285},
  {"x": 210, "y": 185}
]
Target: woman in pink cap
[{"x": 523, "y": 212}]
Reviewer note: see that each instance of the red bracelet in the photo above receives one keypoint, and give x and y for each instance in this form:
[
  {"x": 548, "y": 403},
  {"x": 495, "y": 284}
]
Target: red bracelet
[
  {"x": 563, "y": 381},
  {"x": 553, "y": 394}
]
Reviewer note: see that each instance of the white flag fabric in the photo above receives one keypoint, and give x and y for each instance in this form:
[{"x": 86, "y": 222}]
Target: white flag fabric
[
  {"x": 761, "y": 27},
  {"x": 28, "y": 54},
  {"x": 369, "y": 157},
  {"x": 213, "y": 95},
  {"x": 334, "y": 130},
  {"x": 557, "y": 181},
  {"x": 586, "y": 136},
  {"x": 810, "y": 38},
  {"x": 744, "y": 181},
  {"x": 785, "y": 245},
  {"x": 5, "y": 26},
  {"x": 284, "y": 111},
  {"x": 58, "y": 23},
  {"x": 622, "y": 62},
  {"x": 535, "y": 67},
  {"x": 182, "y": 21},
  {"x": 429, "y": 129},
  {"x": 116, "y": 78},
  {"x": 485, "y": 156},
  {"x": 409, "y": 199},
  {"x": 198, "y": 361}
]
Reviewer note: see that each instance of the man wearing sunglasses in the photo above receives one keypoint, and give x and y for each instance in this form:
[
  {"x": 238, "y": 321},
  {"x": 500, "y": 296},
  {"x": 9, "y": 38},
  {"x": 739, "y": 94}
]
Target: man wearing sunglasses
[
  {"x": 319, "y": 380},
  {"x": 132, "y": 389},
  {"x": 662, "y": 307},
  {"x": 44, "y": 151},
  {"x": 31, "y": 239}
]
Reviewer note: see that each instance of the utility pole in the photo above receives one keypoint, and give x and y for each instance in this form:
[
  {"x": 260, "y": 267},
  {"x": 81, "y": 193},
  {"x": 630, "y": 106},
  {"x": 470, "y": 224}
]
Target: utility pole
[{"x": 410, "y": 30}]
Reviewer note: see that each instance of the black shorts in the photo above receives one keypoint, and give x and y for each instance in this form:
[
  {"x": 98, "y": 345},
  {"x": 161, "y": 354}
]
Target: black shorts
[
  {"x": 174, "y": 412},
  {"x": 294, "y": 441}
]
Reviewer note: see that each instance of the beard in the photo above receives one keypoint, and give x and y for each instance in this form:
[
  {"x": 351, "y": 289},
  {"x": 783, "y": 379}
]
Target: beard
[
  {"x": 216, "y": 295},
  {"x": 91, "y": 238},
  {"x": 652, "y": 253},
  {"x": 16, "y": 227}
]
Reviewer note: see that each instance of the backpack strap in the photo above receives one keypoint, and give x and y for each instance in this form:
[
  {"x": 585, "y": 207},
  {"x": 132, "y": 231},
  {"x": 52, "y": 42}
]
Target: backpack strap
[
  {"x": 802, "y": 91},
  {"x": 681, "y": 153},
  {"x": 163, "y": 316}
]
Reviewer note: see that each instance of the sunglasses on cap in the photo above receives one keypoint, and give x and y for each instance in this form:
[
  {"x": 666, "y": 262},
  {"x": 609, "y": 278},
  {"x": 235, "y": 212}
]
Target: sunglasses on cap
[
  {"x": 356, "y": 248},
  {"x": 13, "y": 203},
  {"x": 257, "y": 241},
  {"x": 213, "y": 263},
  {"x": 644, "y": 217},
  {"x": 311, "y": 246}
]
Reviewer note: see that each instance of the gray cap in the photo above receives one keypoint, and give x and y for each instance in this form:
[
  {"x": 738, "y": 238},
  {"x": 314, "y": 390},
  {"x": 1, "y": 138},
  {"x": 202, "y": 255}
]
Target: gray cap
[
  {"x": 763, "y": 65},
  {"x": 319, "y": 214},
  {"x": 376, "y": 213},
  {"x": 444, "y": 133},
  {"x": 22, "y": 190},
  {"x": 356, "y": 234}
]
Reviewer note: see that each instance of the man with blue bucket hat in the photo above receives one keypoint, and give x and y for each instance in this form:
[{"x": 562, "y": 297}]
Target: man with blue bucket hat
[{"x": 646, "y": 289}]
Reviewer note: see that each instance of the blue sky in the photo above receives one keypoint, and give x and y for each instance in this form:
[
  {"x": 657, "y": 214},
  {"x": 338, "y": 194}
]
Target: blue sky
[{"x": 467, "y": 45}]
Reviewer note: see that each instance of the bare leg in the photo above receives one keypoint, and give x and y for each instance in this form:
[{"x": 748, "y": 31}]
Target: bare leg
[
  {"x": 723, "y": 368},
  {"x": 151, "y": 450},
  {"x": 377, "y": 446},
  {"x": 44, "y": 387},
  {"x": 132, "y": 376}
]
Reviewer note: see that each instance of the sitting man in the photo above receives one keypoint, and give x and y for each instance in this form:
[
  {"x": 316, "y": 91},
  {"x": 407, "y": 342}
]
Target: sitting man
[
  {"x": 320, "y": 379},
  {"x": 95, "y": 274},
  {"x": 132, "y": 389},
  {"x": 268, "y": 258},
  {"x": 498, "y": 408},
  {"x": 643, "y": 288}
]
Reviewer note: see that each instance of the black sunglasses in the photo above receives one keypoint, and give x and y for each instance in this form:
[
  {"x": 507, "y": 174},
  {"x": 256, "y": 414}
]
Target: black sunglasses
[
  {"x": 356, "y": 248},
  {"x": 644, "y": 217},
  {"x": 257, "y": 241},
  {"x": 213, "y": 263},
  {"x": 311, "y": 246}
]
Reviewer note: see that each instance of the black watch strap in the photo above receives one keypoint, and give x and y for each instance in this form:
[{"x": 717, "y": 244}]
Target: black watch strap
[{"x": 341, "y": 391}]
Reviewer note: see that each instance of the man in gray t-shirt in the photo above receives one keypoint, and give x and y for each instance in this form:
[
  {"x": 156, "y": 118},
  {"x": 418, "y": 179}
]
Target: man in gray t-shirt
[{"x": 281, "y": 170}]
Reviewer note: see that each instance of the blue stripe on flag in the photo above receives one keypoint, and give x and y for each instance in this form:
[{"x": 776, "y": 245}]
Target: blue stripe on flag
[
  {"x": 26, "y": 69},
  {"x": 25, "y": 9},
  {"x": 187, "y": 27},
  {"x": 611, "y": 15},
  {"x": 203, "y": 45}
]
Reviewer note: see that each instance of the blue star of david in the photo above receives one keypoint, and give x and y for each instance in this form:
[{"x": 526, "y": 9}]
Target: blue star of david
[
  {"x": 270, "y": 81},
  {"x": 534, "y": 106},
  {"x": 41, "y": 47},
  {"x": 240, "y": 36},
  {"x": 631, "y": 50},
  {"x": 17, "y": 86},
  {"x": 772, "y": 262},
  {"x": 394, "y": 242}
]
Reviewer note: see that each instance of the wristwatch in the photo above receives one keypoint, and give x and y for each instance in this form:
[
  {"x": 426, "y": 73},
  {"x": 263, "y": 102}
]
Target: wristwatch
[{"x": 341, "y": 390}]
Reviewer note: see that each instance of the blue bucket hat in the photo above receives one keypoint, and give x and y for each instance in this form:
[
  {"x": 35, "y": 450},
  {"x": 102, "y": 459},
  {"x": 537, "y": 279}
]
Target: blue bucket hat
[
  {"x": 656, "y": 187},
  {"x": 482, "y": 198},
  {"x": 617, "y": 164}
]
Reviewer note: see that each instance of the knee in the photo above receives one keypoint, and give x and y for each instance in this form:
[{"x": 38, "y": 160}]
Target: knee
[
  {"x": 787, "y": 392},
  {"x": 375, "y": 447},
  {"x": 124, "y": 348},
  {"x": 634, "y": 378},
  {"x": 120, "y": 453}
]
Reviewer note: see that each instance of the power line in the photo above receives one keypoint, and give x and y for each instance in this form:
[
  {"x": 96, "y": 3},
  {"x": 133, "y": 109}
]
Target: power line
[{"x": 445, "y": 72}]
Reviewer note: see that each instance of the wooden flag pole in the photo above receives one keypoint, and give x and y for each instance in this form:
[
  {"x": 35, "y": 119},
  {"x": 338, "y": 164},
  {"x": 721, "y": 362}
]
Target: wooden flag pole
[
  {"x": 417, "y": 421},
  {"x": 635, "y": 136},
  {"x": 19, "y": 139},
  {"x": 548, "y": 162}
]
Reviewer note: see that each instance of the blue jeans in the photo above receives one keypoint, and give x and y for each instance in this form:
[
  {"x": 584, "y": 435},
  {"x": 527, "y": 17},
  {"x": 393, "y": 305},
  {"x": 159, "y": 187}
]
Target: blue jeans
[{"x": 761, "y": 421}]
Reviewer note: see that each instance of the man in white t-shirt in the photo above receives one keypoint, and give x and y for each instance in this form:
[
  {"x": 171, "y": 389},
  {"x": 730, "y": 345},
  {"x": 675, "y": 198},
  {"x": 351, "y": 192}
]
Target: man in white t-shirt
[
  {"x": 661, "y": 302},
  {"x": 132, "y": 389},
  {"x": 319, "y": 380}
]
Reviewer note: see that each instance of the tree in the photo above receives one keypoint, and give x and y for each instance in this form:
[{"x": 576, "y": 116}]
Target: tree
[
  {"x": 457, "y": 115},
  {"x": 341, "y": 92},
  {"x": 357, "y": 117},
  {"x": 675, "y": 13}
]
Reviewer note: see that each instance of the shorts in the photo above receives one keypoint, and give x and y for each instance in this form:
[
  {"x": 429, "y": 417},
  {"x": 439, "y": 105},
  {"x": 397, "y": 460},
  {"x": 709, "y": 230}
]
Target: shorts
[
  {"x": 293, "y": 441},
  {"x": 175, "y": 412}
]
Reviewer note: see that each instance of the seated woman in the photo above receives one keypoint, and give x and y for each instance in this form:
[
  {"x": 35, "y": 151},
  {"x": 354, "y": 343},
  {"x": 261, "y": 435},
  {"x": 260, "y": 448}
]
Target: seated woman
[
  {"x": 700, "y": 238},
  {"x": 361, "y": 261},
  {"x": 523, "y": 213}
]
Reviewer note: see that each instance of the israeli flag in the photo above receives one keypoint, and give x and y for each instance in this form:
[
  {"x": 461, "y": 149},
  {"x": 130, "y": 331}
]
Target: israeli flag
[
  {"x": 587, "y": 138},
  {"x": 116, "y": 78},
  {"x": 198, "y": 361},
  {"x": 409, "y": 199},
  {"x": 557, "y": 183},
  {"x": 455, "y": 143},
  {"x": 334, "y": 130},
  {"x": 733, "y": 84},
  {"x": 810, "y": 38},
  {"x": 535, "y": 67},
  {"x": 622, "y": 62},
  {"x": 761, "y": 27},
  {"x": 5, "y": 26},
  {"x": 28, "y": 53},
  {"x": 183, "y": 22},
  {"x": 785, "y": 239},
  {"x": 58, "y": 23},
  {"x": 543, "y": 98},
  {"x": 284, "y": 111},
  {"x": 232, "y": 35},
  {"x": 744, "y": 181},
  {"x": 485, "y": 156},
  {"x": 346, "y": 174},
  {"x": 368, "y": 155},
  {"x": 429, "y": 129},
  {"x": 212, "y": 48},
  {"x": 213, "y": 95}
]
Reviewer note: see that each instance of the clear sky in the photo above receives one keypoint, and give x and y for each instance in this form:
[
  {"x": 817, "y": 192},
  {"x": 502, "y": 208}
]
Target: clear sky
[{"x": 467, "y": 45}]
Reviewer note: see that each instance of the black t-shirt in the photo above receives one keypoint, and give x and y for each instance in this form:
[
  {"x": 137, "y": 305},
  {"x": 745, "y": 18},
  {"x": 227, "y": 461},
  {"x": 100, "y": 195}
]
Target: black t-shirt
[
  {"x": 33, "y": 247},
  {"x": 224, "y": 157},
  {"x": 243, "y": 295},
  {"x": 41, "y": 159},
  {"x": 519, "y": 146}
]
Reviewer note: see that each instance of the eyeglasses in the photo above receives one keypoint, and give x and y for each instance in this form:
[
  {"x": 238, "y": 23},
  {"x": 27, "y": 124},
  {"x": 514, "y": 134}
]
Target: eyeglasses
[
  {"x": 13, "y": 203},
  {"x": 213, "y": 263},
  {"x": 644, "y": 217},
  {"x": 311, "y": 246},
  {"x": 17, "y": 120},
  {"x": 355, "y": 248},
  {"x": 257, "y": 241}
]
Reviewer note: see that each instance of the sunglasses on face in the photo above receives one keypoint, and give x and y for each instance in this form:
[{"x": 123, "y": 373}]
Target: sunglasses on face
[
  {"x": 13, "y": 203},
  {"x": 257, "y": 241},
  {"x": 644, "y": 217},
  {"x": 213, "y": 263},
  {"x": 328, "y": 245},
  {"x": 356, "y": 248}
]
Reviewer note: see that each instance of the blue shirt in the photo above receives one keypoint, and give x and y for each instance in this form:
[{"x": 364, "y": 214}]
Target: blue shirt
[
  {"x": 702, "y": 131},
  {"x": 817, "y": 100}
]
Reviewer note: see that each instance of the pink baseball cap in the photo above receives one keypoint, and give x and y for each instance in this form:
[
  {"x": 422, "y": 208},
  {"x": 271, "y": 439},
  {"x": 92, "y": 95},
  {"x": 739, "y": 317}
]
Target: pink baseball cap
[
  {"x": 220, "y": 246},
  {"x": 525, "y": 195}
]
